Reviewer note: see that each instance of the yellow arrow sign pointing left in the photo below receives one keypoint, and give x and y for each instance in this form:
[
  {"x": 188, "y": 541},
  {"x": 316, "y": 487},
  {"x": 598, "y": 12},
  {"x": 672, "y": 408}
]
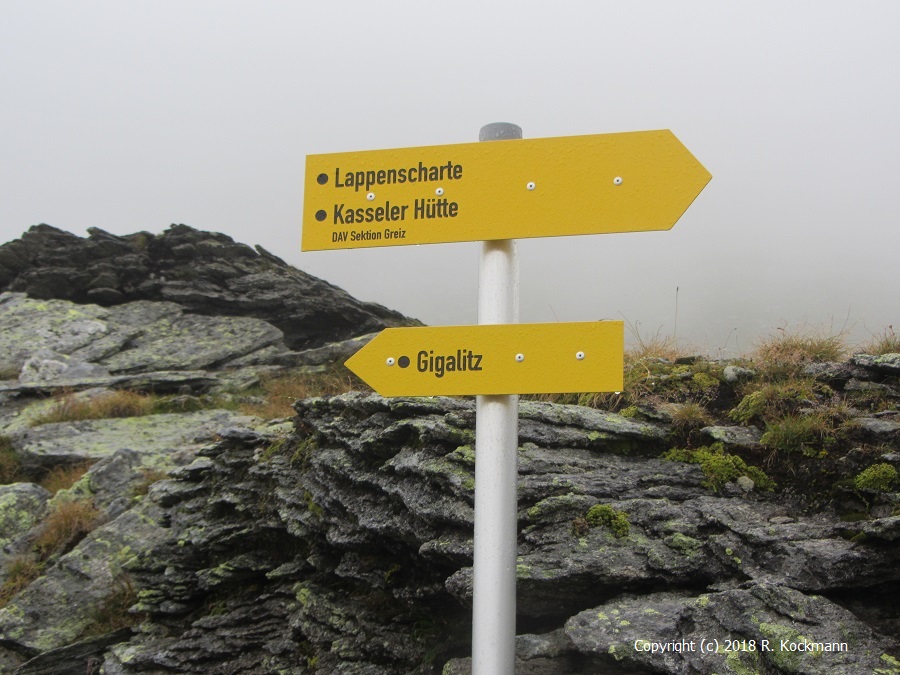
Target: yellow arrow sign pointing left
[{"x": 535, "y": 358}]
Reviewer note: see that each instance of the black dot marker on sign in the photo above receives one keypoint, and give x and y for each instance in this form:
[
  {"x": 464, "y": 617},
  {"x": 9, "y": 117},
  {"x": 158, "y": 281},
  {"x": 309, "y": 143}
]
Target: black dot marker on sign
[
  {"x": 321, "y": 215},
  {"x": 322, "y": 178},
  {"x": 403, "y": 362}
]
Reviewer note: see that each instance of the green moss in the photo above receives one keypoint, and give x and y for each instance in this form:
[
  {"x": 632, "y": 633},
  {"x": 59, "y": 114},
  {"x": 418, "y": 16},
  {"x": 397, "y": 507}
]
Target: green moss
[
  {"x": 743, "y": 663},
  {"x": 274, "y": 448},
  {"x": 304, "y": 451},
  {"x": 720, "y": 467},
  {"x": 464, "y": 454},
  {"x": 784, "y": 659},
  {"x": 606, "y": 516},
  {"x": 892, "y": 666},
  {"x": 311, "y": 505},
  {"x": 773, "y": 399},
  {"x": 878, "y": 477},
  {"x": 682, "y": 543}
]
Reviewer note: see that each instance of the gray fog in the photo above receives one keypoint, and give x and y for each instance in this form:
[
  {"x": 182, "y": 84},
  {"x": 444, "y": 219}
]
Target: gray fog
[{"x": 134, "y": 115}]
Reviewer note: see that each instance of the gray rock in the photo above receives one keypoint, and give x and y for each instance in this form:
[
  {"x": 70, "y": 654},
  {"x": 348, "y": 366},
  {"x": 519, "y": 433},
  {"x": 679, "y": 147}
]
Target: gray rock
[
  {"x": 22, "y": 505},
  {"x": 59, "y": 606},
  {"x": 156, "y": 437},
  {"x": 332, "y": 352},
  {"x": 879, "y": 426},
  {"x": 747, "y": 437},
  {"x": 888, "y": 364},
  {"x": 115, "y": 482},
  {"x": 56, "y": 341},
  {"x": 205, "y": 272},
  {"x": 734, "y": 374},
  {"x": 764, "y": 628},
  {"x": 46, "y": 365}
]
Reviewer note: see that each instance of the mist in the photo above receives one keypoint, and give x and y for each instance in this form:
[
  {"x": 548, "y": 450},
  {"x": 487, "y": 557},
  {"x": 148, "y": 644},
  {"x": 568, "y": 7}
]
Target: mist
[{"x": 133, "y": 116}]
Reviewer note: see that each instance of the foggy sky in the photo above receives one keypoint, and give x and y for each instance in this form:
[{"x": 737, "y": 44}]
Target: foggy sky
[{"x": 134, "y": 115}]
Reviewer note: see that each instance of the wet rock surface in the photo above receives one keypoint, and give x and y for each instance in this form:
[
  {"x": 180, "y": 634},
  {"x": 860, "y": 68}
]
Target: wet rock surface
[
  {"x": 341, "y": 541},
  {"x": 347, "y": 549}
]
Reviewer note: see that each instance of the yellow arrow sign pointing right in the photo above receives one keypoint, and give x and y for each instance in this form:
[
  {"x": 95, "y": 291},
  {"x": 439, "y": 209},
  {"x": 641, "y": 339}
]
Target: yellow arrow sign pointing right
[
  {"x": 542, "y": 187},
  {"x": 532, "y": 358}
]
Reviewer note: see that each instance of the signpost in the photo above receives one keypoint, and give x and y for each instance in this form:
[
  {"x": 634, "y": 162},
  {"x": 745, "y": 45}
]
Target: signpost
[
  {"x": 544, "y": 187},
  {"x": 537, "y": 358},
  {"x": 495, "y": 193}
]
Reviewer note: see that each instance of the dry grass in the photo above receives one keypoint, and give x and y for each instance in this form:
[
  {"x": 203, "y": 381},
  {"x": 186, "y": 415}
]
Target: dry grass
[
  {"x": 64, "y": 477},
  {"x": 65, "y": 526},
  {"x": 885, "y": 342},
  {"x": 785, "y": 352},
  {"x": 690, "y": 416},
  {"x": 20, "y": 572},
  {"x": 71, "y": 408},
  {"x": 282, "y": 391},
  {"x": 644, "y": 360}
]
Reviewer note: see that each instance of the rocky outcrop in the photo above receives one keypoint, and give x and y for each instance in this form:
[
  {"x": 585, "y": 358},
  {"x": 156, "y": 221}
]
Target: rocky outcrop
[
  {"x": 341, "y": 541},
  {"x": 347, "y": 549},
  {"x": 205, "y": 273}
]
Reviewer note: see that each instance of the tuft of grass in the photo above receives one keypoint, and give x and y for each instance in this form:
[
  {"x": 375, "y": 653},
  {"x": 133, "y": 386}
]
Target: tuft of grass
[
  {"x": 72, "y": 408},
  {"x": 805, "y": 433},
  {"x": 647, "y": 364},
  {"x": 720, "y": 467},
  {"x": 690, "y": 416},
  {"x": 785, "y": 352},
  {"x": 885, "y": 342},
  {"x": 282, "y": 391},
  {"x": 20, "y": 571},
  {"x": 770, "y": 400},
  {"x": 10, "y": 464},
  {"x": 67, "y": 524},
  {"x": 63, "y": 477}
]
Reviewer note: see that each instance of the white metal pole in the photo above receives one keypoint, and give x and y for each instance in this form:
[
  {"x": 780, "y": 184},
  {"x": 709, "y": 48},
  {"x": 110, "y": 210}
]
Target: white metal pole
[{"x": 496, "y": 467}]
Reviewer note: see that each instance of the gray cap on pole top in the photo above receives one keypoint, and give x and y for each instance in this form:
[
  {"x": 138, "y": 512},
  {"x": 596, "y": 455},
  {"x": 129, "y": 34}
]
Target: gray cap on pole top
[{"x": 500, "y": 131}]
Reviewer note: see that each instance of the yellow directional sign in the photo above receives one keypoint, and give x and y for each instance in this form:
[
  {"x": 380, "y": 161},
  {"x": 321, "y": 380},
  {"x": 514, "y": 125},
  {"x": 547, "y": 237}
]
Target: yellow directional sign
[
  {"x": 543, "y": 187},
  {"x": 532, "y": 358}
]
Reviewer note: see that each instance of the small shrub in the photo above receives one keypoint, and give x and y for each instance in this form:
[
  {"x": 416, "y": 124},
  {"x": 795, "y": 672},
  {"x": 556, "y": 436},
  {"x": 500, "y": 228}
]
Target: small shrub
[
  {"x": 720, "y": 467},
  {"x": 65, "y": 526},
  {"x": 580, "y": 526},
  {"x": 606, "y": 516},
  {"x": 878, "y": 477},
  {"x": 72, "y": 408}
]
